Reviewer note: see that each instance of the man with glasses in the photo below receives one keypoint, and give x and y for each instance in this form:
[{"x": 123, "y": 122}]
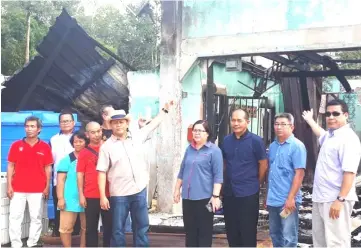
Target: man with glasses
[
  {"x": 245, "y": 161},
  {"x": 287, "y": 160},
  {"x": 334, "y": 192},
  {"x": 61, "y": 147}
]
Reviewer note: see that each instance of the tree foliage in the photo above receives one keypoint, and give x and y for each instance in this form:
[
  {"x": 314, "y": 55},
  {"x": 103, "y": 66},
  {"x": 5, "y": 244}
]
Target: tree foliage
[{"x": 133, "y": 38}]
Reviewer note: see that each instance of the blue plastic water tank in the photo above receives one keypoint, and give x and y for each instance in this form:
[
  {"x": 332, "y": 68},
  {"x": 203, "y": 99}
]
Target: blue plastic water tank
[{"x": 12, "y": 129}]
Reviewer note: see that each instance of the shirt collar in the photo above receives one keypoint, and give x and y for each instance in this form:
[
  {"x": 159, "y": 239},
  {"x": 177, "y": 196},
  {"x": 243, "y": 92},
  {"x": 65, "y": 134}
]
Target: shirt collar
[
  {"x": 72, "y": 157},
  {"x": 115, "y": 138},
  {"x": 61, "y": 132},
  {"x": 288, "y": 140},
  {"x": 243, "y": 135},
  {"x": 207, "y": 144},
  {"x": 338, "y": 131},
  {"x": 28, "y": 143}
]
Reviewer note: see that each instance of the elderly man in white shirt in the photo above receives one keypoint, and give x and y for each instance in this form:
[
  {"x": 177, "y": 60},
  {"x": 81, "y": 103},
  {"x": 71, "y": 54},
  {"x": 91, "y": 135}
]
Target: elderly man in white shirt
[
  {"x": 334, "y": 192},
  {"x": 61, "y": 147}
]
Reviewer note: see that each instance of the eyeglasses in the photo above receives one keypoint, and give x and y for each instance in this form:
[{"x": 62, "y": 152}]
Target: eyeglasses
[
  {"x": 198, "y": 131},
  {"x": 334, "y": 113},
  {"x": 65, "y": 121},
  {"x": 281, "y": 124}
]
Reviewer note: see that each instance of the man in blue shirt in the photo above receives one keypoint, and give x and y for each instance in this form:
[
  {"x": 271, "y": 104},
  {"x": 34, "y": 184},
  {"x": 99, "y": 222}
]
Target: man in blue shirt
[
  {"x": 245, "y": 161},
  {"x": 287, "y": 159}
]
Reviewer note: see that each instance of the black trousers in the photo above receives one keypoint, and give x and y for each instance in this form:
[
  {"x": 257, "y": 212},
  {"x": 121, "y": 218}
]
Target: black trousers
[
  {"x": 198, "y": 223},
  {"x": 241, "y": 219},
  {"x": 92, "y": 213},
  {"x": 57, "y": 217}
]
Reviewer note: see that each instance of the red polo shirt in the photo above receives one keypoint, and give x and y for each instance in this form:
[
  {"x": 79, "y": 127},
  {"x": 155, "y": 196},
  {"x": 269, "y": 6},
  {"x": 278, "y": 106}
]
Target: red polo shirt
[
  {"x": 87, "y": 163},
  {"x": 30, "y": 162}
]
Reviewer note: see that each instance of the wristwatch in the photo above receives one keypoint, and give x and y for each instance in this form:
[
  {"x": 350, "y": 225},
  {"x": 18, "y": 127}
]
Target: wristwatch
[
  {"x": 165, "y": 111},
  {"x": 341, "y": 199},
  {"x": 215, "y": 196}
]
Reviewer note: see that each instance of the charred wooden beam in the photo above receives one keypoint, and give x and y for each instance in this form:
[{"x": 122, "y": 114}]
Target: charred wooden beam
[
  {"x": 210, "y": 96},
  {"x": 304, "y": 93},
  {"x": 48, "y": 63},
  {"x": 327, "y": 73},
  {"x": 286, "y": 62},
  {"x": 96, "y": 76},
  {"x": 333, "y": 66},
  {"x": 348, "y": 61}
]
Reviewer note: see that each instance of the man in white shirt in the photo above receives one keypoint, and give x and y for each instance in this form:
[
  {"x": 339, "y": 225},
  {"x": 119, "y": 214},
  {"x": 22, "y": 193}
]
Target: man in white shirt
[
  {"x": 334, "y": 192},
  {"x": 61, "y": 147}
]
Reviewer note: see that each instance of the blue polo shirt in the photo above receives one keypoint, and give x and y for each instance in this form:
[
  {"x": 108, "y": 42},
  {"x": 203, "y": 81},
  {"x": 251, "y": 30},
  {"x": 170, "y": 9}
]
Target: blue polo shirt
[
  {"x": 284, "y": 159},
  {"x": 241, "y": 157},
  {"x": 71, "y": 194},
  {"x": 200, "y": 170}
]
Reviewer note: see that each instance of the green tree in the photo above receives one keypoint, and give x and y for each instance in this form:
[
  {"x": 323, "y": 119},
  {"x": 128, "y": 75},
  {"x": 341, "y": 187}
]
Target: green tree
[
  {"x": 24, "y": 24},
  {"x": 350, "y": 55},
  {"x": 134, "y": 38}
]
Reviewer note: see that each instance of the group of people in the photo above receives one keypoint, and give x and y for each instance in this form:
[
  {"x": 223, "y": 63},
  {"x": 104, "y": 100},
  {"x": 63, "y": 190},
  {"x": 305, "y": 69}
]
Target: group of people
[
  {"x": 242, "y": 164},
  {"x": 102, "y": 172},
  {"x": 97, "y": 172}
]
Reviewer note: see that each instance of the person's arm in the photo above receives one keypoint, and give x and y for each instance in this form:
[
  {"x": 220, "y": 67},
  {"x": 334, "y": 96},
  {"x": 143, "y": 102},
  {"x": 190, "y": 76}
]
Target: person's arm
[
  {"x": 261, "y": 156},
  {"x": 308, "y": 117},
  {"x": 48, "y": 162},
  {"x": 262, "y": 170},
  {"x": 146, "y": 130},
  {"x": 349, "y": 155},
  {"x": 80, "y": 171},
  {"x": 10, "y": 174},
  {"x": 12, "y": 159},
  {"x": 296, "y": 185},
  {"x": 299, "y": 158},
  {"x": 48, "y": 170},
  {"x": 80, "y": 182},
  {"x": 178, "y": 184},
  {"x": 217, "y": 170},
  {"x": 62, "y": 170},
  {"x": 61, "y": 177},
  {"x": 102, "y": 168}
]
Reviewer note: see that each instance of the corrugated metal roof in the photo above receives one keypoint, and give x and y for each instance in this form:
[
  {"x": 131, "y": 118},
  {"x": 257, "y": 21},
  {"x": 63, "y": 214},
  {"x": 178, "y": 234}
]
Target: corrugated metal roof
[{"x": 71, "y": 71}]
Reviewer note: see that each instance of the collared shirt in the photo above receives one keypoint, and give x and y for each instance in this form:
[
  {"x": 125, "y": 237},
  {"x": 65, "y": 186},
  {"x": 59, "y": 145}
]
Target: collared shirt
[
  {"x": 29, "y": 166},
  {"x": 200, "y": 170},
  {"x": 60, "y": 147},
  {"x": 284, "y": 159},
  {"x": 241, "y": 157},
  {"x": 123, "y": 160},
  {"x": 71, "y": 194},
  {"x": 340, "y": 152}
]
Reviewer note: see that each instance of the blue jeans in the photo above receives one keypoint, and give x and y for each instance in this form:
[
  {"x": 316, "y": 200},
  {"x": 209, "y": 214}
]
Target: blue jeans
[
  {"x": 137, "y": 205},
  {"x": 283, "y": 232}
]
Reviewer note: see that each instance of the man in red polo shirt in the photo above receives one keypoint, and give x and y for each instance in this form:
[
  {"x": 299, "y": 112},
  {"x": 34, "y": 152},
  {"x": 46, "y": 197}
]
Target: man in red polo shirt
[
  {"x": 28, "y": 177},
  {"x": 89, "y": 190}
]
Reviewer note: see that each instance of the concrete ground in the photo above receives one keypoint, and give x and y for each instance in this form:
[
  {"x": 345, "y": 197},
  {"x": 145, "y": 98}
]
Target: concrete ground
[{"x": 165, "y": 240}]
